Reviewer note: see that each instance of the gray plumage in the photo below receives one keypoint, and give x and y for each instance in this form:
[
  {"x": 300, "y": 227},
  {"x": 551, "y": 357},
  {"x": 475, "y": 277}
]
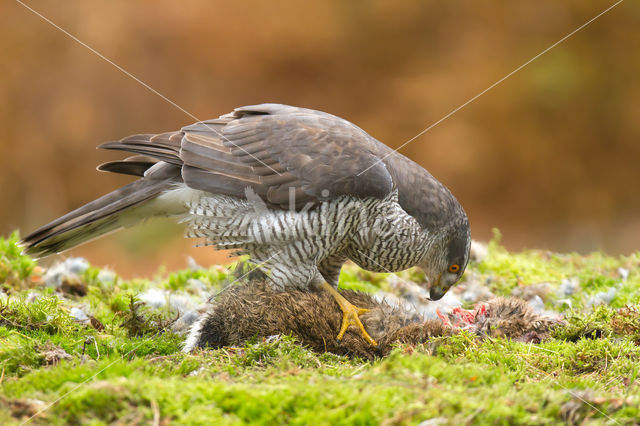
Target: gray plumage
[{"x": 299, "y": 190}]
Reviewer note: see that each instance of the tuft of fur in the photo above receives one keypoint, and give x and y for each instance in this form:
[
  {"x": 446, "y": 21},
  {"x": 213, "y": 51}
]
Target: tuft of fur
[
  {"x": 255, "y": 310},
  {"x": 513, "y": 318}
]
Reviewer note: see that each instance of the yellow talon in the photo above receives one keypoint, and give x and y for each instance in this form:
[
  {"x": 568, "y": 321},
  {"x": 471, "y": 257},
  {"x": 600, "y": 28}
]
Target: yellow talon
[{"x": 350, "y": 314}]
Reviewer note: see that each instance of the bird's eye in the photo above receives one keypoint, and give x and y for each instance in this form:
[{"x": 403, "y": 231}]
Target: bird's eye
[{"x": 454, "y": 268}]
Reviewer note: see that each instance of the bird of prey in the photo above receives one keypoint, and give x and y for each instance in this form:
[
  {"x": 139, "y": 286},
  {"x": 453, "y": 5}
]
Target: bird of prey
[{"x": 300, "y": 191}]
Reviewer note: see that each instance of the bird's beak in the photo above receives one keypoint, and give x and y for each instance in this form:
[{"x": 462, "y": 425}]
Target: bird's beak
[{"x": 435, "y": 289}]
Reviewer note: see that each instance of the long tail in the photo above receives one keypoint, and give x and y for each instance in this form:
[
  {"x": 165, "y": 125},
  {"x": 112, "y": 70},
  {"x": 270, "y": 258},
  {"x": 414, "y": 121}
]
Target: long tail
[{"x": 118, "y": 209}]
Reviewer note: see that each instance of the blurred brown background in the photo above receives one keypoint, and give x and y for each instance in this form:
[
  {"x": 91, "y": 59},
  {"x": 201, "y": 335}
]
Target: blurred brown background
[{"x": 550, "y": 156}]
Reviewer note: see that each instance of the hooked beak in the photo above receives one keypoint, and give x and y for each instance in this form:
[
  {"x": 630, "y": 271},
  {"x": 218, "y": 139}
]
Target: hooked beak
[{"x": 435, "y": 290}]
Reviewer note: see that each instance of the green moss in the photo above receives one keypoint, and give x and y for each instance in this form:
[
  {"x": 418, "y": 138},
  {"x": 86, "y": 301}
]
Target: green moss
[
  {"x": 359, "y": 280},
  {"x": 211, "y": 278},
  {"x": 588, "y": 370},
  {"x": 15, "y": 268}
]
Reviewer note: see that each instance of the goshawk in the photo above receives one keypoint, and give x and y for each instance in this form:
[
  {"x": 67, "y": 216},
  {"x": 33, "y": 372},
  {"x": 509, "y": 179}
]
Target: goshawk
[{"x": 300, "y": 191}]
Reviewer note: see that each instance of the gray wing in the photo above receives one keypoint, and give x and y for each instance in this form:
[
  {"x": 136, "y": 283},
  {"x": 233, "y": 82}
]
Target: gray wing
[{"x": 278, "y": 150}]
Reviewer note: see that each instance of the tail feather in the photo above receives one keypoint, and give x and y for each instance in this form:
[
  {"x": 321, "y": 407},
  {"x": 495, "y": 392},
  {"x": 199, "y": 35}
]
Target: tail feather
[
  {"x": 120, "y": 208},
  {"x": 135, "y": 165},
  {"x": 163, "y": 146}
]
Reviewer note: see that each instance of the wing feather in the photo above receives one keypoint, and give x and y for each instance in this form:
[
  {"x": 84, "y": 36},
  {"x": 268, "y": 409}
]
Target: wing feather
[
  {"x": 276, "y": 150},
  {"x": 311, "y": 154}
]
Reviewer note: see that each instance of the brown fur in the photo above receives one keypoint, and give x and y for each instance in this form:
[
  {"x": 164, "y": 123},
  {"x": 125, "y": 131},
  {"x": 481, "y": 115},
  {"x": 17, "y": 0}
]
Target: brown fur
[
  {"x": 515, "y": 319},
  {"x": 255, "y": 311}
]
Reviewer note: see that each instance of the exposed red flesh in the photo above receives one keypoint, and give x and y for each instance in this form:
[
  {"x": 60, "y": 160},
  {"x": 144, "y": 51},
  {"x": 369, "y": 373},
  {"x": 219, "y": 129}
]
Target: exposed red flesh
[{"x": 462, "y": 318}]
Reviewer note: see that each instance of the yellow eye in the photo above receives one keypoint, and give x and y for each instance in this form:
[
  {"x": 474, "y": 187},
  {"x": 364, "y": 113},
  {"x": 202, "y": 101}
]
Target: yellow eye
[{"x": 454, "y": 269}]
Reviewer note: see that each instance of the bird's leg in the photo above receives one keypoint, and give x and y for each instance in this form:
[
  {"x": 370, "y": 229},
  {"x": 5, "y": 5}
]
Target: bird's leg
[{"x": 350, "y": 314}]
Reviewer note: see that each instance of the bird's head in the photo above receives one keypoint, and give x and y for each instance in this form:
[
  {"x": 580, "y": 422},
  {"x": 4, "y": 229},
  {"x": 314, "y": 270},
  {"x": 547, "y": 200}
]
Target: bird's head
[{"x": 447, "y": 259}]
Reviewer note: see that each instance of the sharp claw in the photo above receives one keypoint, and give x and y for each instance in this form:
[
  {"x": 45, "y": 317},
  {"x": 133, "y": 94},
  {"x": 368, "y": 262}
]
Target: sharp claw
[
  {"x": 350, "y": 317},
  {"x": 350, "y": 314}
]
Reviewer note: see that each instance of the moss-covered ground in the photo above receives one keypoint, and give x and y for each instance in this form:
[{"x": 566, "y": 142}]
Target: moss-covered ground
[{"x": 124, "y": 365}]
